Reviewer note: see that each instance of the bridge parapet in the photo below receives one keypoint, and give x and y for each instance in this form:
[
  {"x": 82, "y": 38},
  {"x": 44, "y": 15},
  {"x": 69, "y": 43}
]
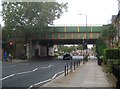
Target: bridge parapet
[{"x": 70, "y": 32}]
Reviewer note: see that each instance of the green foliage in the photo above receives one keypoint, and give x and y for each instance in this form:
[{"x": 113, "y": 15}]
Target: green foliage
[
  {"x": 108, "y": 32},
  {"x": 7, "y": 34},
  {"x": 109, "y": 67},
  {"x": 112, "y": 53},
  {"x": 79, "y": 47},
  {"x": 65, "y": 49},
  {"x": 117, "y": 62},
  {"x": 31, "y": 16},
  {"x": 100, "y": 46}
]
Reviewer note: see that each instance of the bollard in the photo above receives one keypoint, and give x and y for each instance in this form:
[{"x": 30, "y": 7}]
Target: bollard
[
  {"x": 71, "y": 67},
  {"x": 74, "y": 65},
  {"x": 65, "y": 70},
  {"x": 83, "y": 61},
  {"x": 79, "y": 62}
]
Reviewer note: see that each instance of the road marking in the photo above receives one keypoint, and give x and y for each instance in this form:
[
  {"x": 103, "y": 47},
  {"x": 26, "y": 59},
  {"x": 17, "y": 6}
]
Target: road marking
[
  {"x": 13, "y": 66},
  {"x": 57, "y": 74},
  {"x": 42, "y": 82},
  {"x": 39, "y": 83},
  {"x": 35, "y": 69},
  {"x": 24, "y": 72},
  {"x": 54, "y": 76},
  {"x": 30, "y": 87},
  {"x": 50, "y": 65},
  {"x": 8, "y": 77},
  {"x": 46, "y": 67}
]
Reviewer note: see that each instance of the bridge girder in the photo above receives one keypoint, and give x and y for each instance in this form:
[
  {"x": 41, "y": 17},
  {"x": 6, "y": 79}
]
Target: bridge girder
[{"x": 63, "y": 41}]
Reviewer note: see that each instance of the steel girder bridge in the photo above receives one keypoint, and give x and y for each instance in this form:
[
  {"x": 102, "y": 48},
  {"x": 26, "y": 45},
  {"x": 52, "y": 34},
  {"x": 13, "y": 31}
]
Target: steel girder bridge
[{"x": 68, "y": 35}]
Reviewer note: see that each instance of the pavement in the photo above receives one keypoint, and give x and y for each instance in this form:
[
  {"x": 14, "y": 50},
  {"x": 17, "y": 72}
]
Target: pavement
[
  {"x": 18, "y": 60},
  {"x": 89, "y": 74},
  {"x": 15, "y": 61}
]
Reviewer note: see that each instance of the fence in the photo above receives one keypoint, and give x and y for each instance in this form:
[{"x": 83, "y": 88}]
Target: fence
[{"x": 116, "y": 73}]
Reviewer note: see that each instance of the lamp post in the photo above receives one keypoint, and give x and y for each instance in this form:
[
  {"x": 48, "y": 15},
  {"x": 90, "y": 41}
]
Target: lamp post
[
  {"x": 25, "y": 49},
  {"x": 85, "y": 41},
  {"x": 85, "y": 27}
]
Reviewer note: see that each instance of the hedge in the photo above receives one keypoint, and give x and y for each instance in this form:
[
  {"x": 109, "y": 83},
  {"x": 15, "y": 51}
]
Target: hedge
[{"x": 112, "y": 53}]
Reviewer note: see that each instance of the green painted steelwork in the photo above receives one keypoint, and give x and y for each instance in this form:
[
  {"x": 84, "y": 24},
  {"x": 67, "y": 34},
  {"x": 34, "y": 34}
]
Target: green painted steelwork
[
  {"x": 71, "y": 29},
  {"x": 75, "y": 35},
  {"x": 71, "y": 32},
  {"x": 68, "y": 35},
  {"x": 62, "y": 36},
  {"x": 95, "y": 36},
  {"x": 75, "y": 29}
]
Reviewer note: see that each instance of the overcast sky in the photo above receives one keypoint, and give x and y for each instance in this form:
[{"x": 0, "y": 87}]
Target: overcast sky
[{"x": 98, "y": 12}]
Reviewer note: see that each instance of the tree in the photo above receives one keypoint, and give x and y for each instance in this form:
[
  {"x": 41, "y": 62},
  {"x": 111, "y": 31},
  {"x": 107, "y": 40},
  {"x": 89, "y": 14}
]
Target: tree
[
  {"x": 31, "y": 16},
  {"x": 79, "y": 47},
  {"x": 108, "y": 34},
  {"x": 100, "y": 46},
  {"x": 27, "y": 18}
]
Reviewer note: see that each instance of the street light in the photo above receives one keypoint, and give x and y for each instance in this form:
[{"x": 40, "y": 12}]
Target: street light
[
  {"x": 85, "y": 27},
  {"x": 85, "y": 41}
]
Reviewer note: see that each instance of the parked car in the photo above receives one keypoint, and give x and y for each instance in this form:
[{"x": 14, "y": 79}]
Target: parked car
[{"x": 67, "y": 56}]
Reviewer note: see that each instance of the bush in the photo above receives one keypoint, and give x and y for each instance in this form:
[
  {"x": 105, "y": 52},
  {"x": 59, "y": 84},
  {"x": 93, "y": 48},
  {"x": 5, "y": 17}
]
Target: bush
[
  {"x": 112, "y": 53},
  {"x": 100, "y": 46}
]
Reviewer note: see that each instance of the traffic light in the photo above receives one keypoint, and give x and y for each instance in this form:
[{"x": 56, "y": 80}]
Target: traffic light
[
  {"x": 10, "y": 43},
  {"x": 84, "y": 45}
]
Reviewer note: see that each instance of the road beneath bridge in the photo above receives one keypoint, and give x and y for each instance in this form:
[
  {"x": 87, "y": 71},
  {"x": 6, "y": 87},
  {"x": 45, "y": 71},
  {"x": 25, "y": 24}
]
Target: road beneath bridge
[{"x": 24, "y": 74}]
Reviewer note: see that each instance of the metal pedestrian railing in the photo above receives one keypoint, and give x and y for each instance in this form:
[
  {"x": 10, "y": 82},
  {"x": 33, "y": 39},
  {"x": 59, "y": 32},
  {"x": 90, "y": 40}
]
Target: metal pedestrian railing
[{"x": 116, "y": 73}]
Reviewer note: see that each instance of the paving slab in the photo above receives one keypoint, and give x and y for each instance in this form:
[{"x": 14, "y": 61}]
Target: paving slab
[{"x": 86, "y": 75}]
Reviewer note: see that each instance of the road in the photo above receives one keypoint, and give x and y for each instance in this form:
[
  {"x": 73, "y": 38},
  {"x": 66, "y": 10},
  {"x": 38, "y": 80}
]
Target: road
[{"x": 32, "y": 73}]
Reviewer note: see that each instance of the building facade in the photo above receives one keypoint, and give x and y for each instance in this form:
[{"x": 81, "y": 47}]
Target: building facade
[{"x": 116, "y": 23}]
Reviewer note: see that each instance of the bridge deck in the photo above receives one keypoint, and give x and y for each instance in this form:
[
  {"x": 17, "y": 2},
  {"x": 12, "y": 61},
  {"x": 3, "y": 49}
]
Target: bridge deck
[{"x": 74, "y": 32}]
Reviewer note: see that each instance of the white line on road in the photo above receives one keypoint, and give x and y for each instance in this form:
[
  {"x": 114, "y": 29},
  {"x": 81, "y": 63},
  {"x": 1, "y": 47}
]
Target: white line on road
[
  {"x": 42, "y": 82},
  {"x": 24, "y": 72},
  {"x": 30, "y": 87},
  {"x": 46, "y": 67},
  {"x": 13, "y": 66},
  {"x": 50, "y": 65},
  {"x": 39, "y": 83},
  {"x": 46, "y": 80},
  {"x": 35, "y": 69},
  {"x": 8, "y": 77}
]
